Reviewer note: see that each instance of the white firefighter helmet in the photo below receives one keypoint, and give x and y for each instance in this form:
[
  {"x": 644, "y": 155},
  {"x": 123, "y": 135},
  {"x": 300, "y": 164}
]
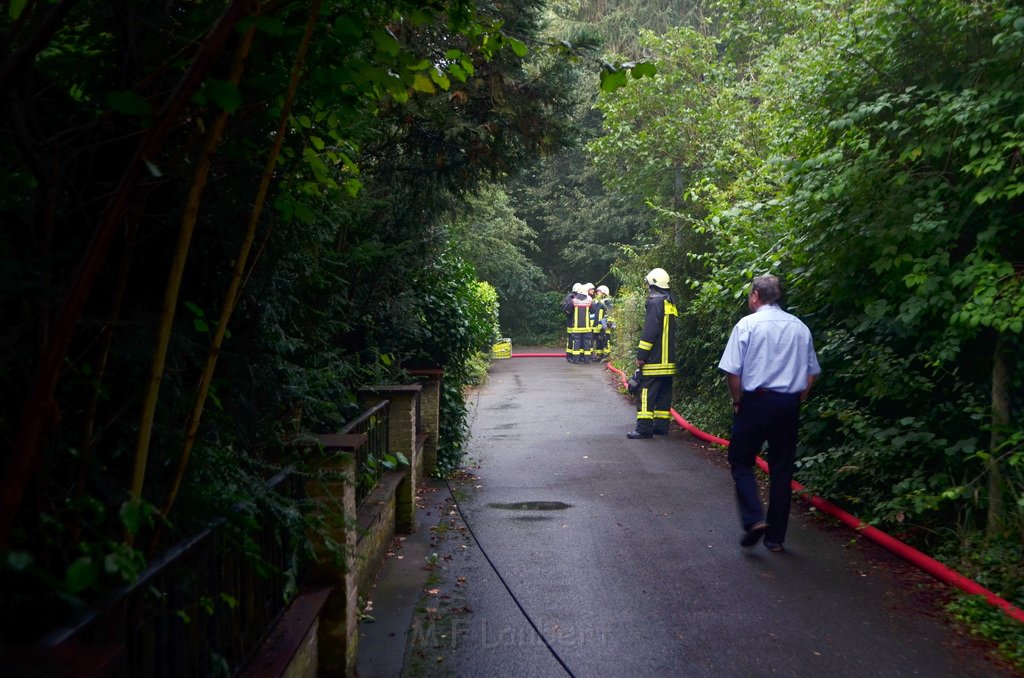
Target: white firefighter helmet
[
  {"x": 657, "y": 277},
  {"x": 603, "y": 289},
  {"x": 576, "y": 287},
  {"x": 588, "y": 286}
]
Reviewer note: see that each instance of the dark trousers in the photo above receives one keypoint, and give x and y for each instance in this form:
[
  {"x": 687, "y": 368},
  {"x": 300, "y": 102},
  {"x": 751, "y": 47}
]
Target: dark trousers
[
  {"x": 581, "y": 349},
  {"x": 653, "y": 402},
  {"x": 773, "y": 418}
]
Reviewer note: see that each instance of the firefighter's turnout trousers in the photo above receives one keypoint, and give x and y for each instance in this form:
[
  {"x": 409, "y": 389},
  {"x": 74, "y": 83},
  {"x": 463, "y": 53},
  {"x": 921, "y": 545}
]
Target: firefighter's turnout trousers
[
  {"x": 654, "y": 404},
  {"x": 567, "y": 309}
]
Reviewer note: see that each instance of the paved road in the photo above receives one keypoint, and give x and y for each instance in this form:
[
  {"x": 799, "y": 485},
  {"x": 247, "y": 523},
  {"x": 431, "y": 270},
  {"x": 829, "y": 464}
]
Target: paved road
[{"x": 625, "y": 556}]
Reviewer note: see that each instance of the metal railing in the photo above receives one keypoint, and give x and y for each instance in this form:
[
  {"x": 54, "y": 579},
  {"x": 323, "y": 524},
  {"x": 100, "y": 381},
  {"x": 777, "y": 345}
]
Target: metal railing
[
  {"x": 203, "y": 607},
  {"x": 370, "y": 456}
]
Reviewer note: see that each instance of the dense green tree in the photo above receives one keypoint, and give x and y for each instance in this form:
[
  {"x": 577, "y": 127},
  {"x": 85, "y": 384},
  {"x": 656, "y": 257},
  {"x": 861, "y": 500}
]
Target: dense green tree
[
  {"x": 582, "y": 224},
  {"x": 337, "y": 136},
  {"x": 497, "y": 242},
  {"x": 620, "y": 23},
  {"x": 501, "y": 247},
  {"x": 867, "y": 154},
  {"x": 921, "y": 151}
]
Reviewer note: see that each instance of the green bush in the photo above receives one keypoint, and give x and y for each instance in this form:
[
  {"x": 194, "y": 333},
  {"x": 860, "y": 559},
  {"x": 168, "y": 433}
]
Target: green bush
[{"x": 457, "y": 320}]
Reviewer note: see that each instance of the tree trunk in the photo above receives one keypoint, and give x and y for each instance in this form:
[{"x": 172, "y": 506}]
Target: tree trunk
[
  {"x": 39, "y": 412},
  {"x": 170, "y": 303},
  {"x": 996, "y": 517},
  {"x": 232, "y": 295}
]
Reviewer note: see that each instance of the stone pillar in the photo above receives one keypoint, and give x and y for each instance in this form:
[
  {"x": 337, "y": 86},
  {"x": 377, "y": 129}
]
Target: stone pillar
[
  {"x": 402, "y": 438},
  {"x": 331, "y": 491},
  {"x": 430, "y": 403}
]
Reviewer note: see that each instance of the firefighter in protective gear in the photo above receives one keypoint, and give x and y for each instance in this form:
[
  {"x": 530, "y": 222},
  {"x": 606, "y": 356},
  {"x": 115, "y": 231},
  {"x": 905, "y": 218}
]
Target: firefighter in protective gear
[
  {"x": 601, "y": 310},
  {"x": 567, "y": 309},
  {"x": 590, "y": 343},
  {"x": 582, "y": 325},
  {"x": 656, "y": 358}
]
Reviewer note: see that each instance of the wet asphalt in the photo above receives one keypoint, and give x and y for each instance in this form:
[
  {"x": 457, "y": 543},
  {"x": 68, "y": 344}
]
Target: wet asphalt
[{"x": 568, "y": 550}]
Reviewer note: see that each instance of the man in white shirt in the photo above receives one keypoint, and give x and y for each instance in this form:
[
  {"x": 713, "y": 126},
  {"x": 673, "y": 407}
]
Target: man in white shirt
[{"x": 770, "y": 367}]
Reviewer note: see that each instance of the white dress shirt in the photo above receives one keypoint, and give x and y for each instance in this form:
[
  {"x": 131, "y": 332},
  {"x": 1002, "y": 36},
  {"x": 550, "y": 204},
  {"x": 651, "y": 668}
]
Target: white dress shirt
[{"x": 771, "y": 349}]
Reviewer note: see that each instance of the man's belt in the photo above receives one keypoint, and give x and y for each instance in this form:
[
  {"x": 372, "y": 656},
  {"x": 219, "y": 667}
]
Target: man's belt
[{"x": 767, "y": 391}]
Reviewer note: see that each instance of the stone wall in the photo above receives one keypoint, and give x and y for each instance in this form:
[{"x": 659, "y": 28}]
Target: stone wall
[
  {"x": 364, "y": 541},
  {"x": 376, "y": 526}
]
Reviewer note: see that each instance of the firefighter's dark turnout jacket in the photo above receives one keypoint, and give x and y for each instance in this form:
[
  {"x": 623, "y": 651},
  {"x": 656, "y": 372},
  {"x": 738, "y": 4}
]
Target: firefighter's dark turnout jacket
[
  {"x": 582, "y": 328},
  {"x": 657, "y": 346},
  {"x": 600, "y": 311}
]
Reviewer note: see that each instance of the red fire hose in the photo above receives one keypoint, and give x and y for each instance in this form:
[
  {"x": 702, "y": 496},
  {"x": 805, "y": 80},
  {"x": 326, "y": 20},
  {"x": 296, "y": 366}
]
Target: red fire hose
[{"x": 908, "y": 553}]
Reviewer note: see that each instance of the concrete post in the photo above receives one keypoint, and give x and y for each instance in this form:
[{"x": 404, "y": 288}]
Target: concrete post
[
  {"x": 332, "y": 492},
  {"x": 402, "y": 438},
  {"x": 430, "y": 414}
]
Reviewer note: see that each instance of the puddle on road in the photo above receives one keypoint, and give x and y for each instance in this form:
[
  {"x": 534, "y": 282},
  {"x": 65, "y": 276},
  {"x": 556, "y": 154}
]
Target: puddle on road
[{"x": 533, "y": 506}]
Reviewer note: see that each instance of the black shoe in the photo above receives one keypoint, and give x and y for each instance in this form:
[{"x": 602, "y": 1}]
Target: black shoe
[
  {"x": 754, "y": 534},
  {"x": 660, "y": 433},
  {"x": 774, "y": 547},
  {"x": 637, "y": 435}
]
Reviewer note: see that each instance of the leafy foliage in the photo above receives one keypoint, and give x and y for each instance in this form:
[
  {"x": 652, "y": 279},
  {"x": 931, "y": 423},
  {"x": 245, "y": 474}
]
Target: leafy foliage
[
  {"x": 868, "y": 154},
  {"x": 111, "y": 112},
  {"x": 619, "y": 24},
  {"x": 499, "y": 245},
  {"x": 460, "y": 320}
]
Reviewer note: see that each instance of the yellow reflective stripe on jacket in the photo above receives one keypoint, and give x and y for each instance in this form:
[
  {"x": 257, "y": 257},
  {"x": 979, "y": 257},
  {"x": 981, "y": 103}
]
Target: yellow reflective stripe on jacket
[
  {"x": 663, "y": 368},
  {"x": 645, "y": 345},
  {"x": 670, "y": 309}
]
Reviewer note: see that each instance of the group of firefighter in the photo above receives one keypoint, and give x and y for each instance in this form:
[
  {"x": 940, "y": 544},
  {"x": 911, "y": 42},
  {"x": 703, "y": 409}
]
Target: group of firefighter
[{"x": 588, "y": 324}]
